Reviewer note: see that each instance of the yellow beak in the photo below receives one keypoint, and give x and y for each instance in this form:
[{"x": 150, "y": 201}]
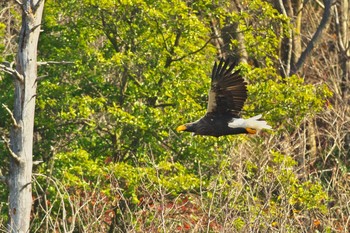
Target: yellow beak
[{"x": 181, "y": 128}]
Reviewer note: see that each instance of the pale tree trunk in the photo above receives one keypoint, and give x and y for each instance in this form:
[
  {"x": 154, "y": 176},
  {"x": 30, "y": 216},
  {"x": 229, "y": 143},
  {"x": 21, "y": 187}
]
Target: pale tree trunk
[
  {"x": 343, "y": 34},
  {"x": 21, "y": 136},
  {"x": 224, "y": 34},
  {"x": 298, "y": 9},
  {"x": 342, "y": 23}
]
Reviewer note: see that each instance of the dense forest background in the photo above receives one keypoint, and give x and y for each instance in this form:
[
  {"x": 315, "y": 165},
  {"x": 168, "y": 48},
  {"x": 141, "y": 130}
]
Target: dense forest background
[{"x": 117, "y": 77}]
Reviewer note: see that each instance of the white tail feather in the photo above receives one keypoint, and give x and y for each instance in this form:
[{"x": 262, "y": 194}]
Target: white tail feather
[{"x": 252, "y": 123}]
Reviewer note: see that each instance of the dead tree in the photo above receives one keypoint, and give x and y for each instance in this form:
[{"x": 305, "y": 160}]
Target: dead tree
[{"x": 20, "y": 144}]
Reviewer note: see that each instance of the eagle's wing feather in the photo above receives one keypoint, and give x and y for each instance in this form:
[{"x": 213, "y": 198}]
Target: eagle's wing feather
[{"x": 228, "y": 90}]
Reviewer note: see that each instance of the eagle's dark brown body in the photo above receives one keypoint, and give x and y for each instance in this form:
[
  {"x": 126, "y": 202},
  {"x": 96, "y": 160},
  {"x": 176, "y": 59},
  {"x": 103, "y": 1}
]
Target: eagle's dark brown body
[{"x": 214, "y": 125}]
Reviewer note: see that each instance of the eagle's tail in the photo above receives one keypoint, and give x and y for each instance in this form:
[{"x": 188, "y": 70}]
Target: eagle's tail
[{"x": 251, "y": 124}]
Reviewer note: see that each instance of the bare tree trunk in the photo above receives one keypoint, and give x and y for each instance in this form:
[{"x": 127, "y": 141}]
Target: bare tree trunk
[
  {"x": 21, "y": 136},
  {"x": 223, "y": 35},
  {"x": 342, "y": 25},
  {"x": 217, "y": 41},
  {"x": 287, "y": 42},
  {"x": 343, "y": 34},
  {"x": 298, "y": 9}
]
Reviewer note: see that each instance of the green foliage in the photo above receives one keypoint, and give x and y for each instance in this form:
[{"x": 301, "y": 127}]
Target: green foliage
[
  {"x": 295, "y": 99},
  {"x": 77, "y": 169},
  {"x": 305, "y": 195},
  {"x": 134, "y": 71},
  {"x": 78, "y": 172},
  {"x": 171, "y": 178},
  {"x": 263, "y": 28}
]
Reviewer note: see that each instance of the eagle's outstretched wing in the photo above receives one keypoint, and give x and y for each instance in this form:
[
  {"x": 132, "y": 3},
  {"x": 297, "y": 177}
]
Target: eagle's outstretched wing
[{"x": 228, "y": 90}]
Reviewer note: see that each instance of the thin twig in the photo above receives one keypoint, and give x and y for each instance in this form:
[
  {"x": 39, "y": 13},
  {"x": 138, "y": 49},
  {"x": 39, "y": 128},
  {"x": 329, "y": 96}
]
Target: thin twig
[
  {"x": 42, "y": 77},
  {"x": 13, "y": 154},
  {"x": 35, "y": 27},
  {"x": 193, "y": 52},
  {"x": 19, "y": 2},
  {"x": 15, "y": 124},
  {"x": 37, "y": 162},
  {"x": 12, "y": 72},
  {"x": 41, "y": 63},
  {"x": 320, "y": 4},
  {"x": 3, "y": 179},
  {"x": 339, "y": 33}
]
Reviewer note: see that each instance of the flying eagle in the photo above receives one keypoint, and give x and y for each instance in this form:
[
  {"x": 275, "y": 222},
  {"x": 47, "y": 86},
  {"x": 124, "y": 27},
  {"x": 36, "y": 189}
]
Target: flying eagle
[{"x": 227, "y": 95}]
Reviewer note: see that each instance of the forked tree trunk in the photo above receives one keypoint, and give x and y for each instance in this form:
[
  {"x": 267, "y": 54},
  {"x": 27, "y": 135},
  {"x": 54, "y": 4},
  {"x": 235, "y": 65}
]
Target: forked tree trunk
[{"x": 21, "y": 136}]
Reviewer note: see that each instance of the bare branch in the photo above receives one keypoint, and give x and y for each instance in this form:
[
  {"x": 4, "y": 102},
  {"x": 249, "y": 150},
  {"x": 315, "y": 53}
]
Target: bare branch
[
  {"x": 320, "y": 4},
  {"x": 337, "y": 27},
  {"x": 218, "y": 41},
  {"x": 19, "y": 2},
  {"x": 3, "y": 178},
  {"x": 42, "y": 77},
  {"x": 11, "y": 71},
  {"x": 41, "y": 63},
  {"x": 315, "y": 37},
  {"x": 193, "y": 52},
  {"x": 15, "y": 124},
  {"x": 35, "y": 27},
  {"x": 37, "y": 162},
  {"x": 13, "y": 154}
]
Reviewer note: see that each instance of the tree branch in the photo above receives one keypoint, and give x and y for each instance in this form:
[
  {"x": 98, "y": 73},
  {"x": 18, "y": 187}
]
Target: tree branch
[
  {"x": 19, "y": 2},
  {"x": 15, "y": 124},
  {"x": 37, "y": 162},
  {"x": 316, "y": 36},
  {"x": 337, "y": 27},
  {"x": 41, "y": 63},
  {"x": 42, "y": 77},
  {"x": 35, "y": 27},
  {"x": 12, "y": 154},
  {"x": 193, "y": 52},
  {"x": 3, "y": 179},
  {"x": 11, "y": 71}
]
